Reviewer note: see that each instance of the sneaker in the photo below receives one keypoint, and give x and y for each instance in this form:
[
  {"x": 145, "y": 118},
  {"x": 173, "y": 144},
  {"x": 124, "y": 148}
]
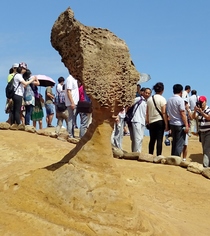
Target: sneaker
[
  {"x": 184, "y": 159},
  {"x": 50, "y": 126}
]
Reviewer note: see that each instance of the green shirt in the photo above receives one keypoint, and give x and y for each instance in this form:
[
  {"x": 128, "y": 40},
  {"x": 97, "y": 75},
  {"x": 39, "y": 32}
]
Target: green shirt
[{"x": 10, "y": 76}]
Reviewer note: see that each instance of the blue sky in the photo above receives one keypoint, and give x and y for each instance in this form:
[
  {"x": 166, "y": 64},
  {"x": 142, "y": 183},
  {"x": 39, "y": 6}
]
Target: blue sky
[{"x": 170, "y": 40}]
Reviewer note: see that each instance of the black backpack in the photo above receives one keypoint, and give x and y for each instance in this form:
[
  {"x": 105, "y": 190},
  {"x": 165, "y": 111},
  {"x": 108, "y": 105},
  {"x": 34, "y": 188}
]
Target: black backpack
[
  {"x": 10, "y": 89},
  {"x": 130, "y": 112}
]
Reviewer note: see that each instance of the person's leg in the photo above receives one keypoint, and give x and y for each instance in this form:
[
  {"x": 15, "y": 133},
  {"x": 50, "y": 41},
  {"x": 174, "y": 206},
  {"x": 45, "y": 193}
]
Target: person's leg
[
  {"x": 205, "y": 140},
  {"x": 116, "y": 137},
  {"x": 28, "y": 113},
  {"x": 142, "y": 129},
  {"x": 159, "y": 134},
  {"x": 71, "y": 117},
  {"x": 50, "y": 114},
  {"x": 17, "y": 103},
  {"x": 130, "y": 128},
  {"x": 121, "y": 130},
  {"x": 40, "y": 124},
  {"x": 153, "y": 137},
  {"x": 137, "y": 137},
  {"x": 178, "y": 136},
  {"x": 34, "y": 124},
  {"x": 184, "y": 151},
  {"x": 83, "y": 124},
  {"x": 59, "y": 124}
]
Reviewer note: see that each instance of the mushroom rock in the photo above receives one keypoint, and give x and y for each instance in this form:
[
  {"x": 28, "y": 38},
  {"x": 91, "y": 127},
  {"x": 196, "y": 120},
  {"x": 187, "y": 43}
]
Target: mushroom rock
[{"x": 84, "y": 192}]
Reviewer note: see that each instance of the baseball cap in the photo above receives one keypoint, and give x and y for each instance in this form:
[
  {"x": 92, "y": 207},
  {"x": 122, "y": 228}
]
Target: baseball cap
[
  {"x": 15, "y": 65},
  {"x": 23, "y": 65},
  {"x": 202, "y": 99}
]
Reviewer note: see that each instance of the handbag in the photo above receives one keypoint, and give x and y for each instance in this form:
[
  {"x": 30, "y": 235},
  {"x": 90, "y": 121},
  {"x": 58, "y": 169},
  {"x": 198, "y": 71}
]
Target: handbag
[{"x": 84, "y": 107}]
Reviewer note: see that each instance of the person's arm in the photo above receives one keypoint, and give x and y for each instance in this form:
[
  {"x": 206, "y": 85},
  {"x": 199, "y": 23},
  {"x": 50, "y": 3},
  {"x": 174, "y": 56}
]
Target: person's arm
[
  {"x": 36, "y": 81},
  {"x": 206, "y": 116},
  {"x": 25, "y": 83},
  {"x": 147, "y": 116},
  {"x": 184, "y": 119},
  {"x": 165, "y": 117},
  {"x": 50, "y": 96},
  {"x": 69, "y": 94}
]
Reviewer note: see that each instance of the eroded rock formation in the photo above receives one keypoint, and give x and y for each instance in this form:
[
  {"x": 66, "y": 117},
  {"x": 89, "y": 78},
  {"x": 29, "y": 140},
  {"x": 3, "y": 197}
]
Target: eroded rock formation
[
  {"x": 84, "y": 192},
  {"x": 97, "y": 57}
]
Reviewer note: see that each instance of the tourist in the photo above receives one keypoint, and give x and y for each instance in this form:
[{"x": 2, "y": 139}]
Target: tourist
[
  {"x": 9, "y": 102},
  {"x": 71, "y": 100},
  {"x": 117, "y": 134},
  {"x": 29, "y": 98},
  {"x": 189, "y": 118},
  {"x": 62, "y": 112},
  {"x": 137, "y": 125},
  {"x": 185, "y": 93},
  {"x": 84, "y": 109},
  {"x": 192, "y": 103},
  {"x": 19, "y": 84},
  {"x": 37, "y": 112},
  {"x": 202, "y": 112},
  {"x": 49, "y": 98},
  {"x": 177, "y": 120},
  {"x": 157, "y": 118}
]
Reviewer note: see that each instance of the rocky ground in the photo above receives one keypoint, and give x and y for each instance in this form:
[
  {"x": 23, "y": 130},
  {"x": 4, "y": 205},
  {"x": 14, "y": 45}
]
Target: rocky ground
[{"x": 170, "y": 199}]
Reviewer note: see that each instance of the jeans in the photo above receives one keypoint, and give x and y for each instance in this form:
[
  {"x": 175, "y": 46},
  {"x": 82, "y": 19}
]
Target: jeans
[
  {"x": 83, "y": 124},
  {"x": 29, "y": 109},
  {"x": 156, "y": 131},
  {"x": 117, "y": 134},
  {"x": 71, "y": 121},
  {"x": 178, "y": 136}
]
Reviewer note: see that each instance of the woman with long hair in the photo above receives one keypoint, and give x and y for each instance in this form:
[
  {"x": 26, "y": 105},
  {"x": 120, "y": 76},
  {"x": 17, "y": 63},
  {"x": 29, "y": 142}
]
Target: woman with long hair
[{"x": 156, "y": 117}]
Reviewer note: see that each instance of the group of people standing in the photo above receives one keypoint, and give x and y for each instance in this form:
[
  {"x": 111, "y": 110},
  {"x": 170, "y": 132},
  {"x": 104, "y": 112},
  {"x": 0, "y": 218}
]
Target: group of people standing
[
  {"x": 70, "y": 93},
  {"x": 24, "y": 105},
  {"x": 27, "y": 103},
  {"x": 179, "y": 116}
]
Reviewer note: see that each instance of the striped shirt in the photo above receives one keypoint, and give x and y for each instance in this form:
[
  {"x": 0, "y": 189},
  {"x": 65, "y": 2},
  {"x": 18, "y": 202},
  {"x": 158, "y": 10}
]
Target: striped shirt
[{"x": 204, "y": 125}]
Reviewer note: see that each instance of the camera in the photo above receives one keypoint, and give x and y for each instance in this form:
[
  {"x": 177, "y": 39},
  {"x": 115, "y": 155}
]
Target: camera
[{"x": 199, "y": 104}]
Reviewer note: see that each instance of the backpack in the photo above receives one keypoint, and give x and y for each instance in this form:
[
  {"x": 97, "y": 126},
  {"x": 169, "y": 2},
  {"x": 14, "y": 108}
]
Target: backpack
[
  {"x": 60, "y": 101},
  {"x": 29, "y": 95},
  {"x": 130, "y": 112},
  {"x": 10, "y": 89}
]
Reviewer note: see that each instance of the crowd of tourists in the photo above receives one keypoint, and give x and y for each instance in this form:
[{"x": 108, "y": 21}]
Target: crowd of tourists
[
  {"x": 179, "y": 117},
  {"x": 27, "y": 104}
]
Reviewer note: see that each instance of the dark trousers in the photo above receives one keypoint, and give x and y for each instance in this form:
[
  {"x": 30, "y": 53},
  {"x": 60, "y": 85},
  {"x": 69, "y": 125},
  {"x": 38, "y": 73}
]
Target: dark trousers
[
  {"x": 17, "y": 103},
  {"x": 178, "y": 136},
  {"x": 156, "y": 131}
]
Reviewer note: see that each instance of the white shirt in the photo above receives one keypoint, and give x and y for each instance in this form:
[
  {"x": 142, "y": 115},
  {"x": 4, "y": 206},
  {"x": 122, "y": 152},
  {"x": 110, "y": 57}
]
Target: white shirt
[
  {"x": 192, "y": 101},
  {"x": 154, "y": 115},
  {"x": 71, "y": 84},
  {"x": 59, "y": 88},
  {"x": 185, "y": 94},
  {"x": 20, "y": 89},
  {"x": 140, "y": 113}
]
